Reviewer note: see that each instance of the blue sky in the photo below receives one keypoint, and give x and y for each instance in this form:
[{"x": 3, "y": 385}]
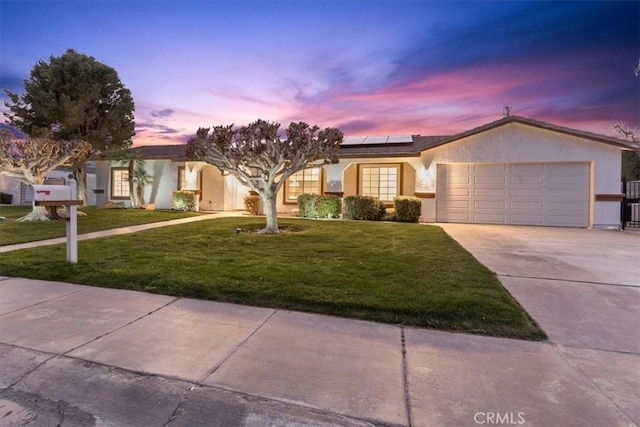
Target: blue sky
[{"x": 367, "y": 67}]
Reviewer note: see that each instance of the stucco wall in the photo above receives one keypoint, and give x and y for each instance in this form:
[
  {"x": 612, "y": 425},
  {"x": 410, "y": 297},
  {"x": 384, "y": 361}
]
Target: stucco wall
[
  {"x": 212, "y": 189},
  {"x": 160, "y": 192},
  {"x": 518, "y": 143}
]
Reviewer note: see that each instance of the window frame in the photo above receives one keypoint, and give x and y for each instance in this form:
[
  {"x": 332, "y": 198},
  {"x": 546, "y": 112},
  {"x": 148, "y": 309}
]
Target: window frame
[
  {"x": 288, "y": 201},
  {"x": 399, "y": 172},
  {"x": 182, "y": 170},
  {"x": 112, "y": 180}
]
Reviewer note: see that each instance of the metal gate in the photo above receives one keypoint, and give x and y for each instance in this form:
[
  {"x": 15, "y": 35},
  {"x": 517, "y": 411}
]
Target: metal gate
[{"x": 630, "y": 210}]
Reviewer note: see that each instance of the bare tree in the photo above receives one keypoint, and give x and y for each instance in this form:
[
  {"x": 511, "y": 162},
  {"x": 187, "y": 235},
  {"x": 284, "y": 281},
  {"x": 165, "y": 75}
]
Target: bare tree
[
  {"x": 630, "y": 159},
  {"x": 261, "y": 159},
  {"x": 31, "y": 159}
]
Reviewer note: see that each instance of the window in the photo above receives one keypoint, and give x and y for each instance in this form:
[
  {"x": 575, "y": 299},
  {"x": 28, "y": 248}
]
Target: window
[
  {"x": 182, "y": 181},
  {"x": 119, "y": 183},
  {"x": 305, "y": 181},
  {"x": 381, "y": 181},
  {"x": 181, "y": 177}
]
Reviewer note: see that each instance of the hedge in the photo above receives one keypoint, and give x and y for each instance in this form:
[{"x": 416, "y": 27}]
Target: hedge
[
  {"x": 366, "y": 208},
  {"x": 184, "y": 200},
  {"x": 407, "y": 208},
  {"x": 317, "y": 206}
]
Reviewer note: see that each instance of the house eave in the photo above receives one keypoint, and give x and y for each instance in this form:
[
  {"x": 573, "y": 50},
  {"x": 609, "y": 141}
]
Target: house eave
[{"x": 616, "y": 142}]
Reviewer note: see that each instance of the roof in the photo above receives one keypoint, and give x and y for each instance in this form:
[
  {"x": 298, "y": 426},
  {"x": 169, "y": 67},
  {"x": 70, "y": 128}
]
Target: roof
[
  {"x": 172, "y": 152},
  {"x": 405, "y": 145},
  {"x": 160, "y": 151},
  {"x": 548, "y": 126},
  {"x": 423, "y": 143}
]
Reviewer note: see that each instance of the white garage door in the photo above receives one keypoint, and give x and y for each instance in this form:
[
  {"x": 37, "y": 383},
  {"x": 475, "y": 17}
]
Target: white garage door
[{"x": 547, "y": 194}]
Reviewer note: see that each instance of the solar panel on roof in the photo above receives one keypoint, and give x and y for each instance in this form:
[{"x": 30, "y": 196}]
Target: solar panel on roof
[
  {"x": 376, "y": 140},
  {"x": 397, "y": 139},
  {"x": 353, "y": 140}
]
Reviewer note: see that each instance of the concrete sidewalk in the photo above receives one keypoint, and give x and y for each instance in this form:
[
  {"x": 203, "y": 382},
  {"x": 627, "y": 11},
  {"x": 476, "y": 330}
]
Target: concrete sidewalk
[{"x": 76, "y": 355}]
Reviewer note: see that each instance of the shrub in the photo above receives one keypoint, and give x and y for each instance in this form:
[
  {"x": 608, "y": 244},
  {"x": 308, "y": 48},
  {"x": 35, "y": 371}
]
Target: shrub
[
  {"x": 307, "y": 206},
  {"x": 252, "y": 204},
  {"x": 329, "y": 206},
  {"x": 407, "y": 208},
  {"x": 184, "y": 200},
  {"x": 366, "y": 208},
  {"x": 316, "y": 206}
]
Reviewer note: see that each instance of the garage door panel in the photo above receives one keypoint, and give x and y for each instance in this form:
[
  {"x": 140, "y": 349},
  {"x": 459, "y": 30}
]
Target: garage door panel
[
  {"x": 459, "y": 180},
  {"x": 489, "y": 169},
  {"x": 456, "y": 204},
  {"x": 489, "y": 204},
  {"x": 498, "y": 180},
  {"x": 526, "y": 193},
  {"x": 527, "y": 219},
  {"x": 566, "y": 193},
  {"x": 566, "y": 180},
  {"x": 535, "y": 194},
  {"x": 527, "y": 180},
  {"x": 490, "y": 217},
  {"x": 564, "y": 205},
  {"x": 489, "y": 192},
  {"x": 528, "y": 205},
  {"x": 527, "y": 169}
]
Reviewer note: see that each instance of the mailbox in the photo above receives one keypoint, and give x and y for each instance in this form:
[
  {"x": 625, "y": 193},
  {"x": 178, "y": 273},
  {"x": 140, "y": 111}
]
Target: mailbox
[{"x": 49, "y": 193}]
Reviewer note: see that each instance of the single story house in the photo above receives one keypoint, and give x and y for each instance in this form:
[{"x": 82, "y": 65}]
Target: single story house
[{"x": 512, "y": 171}]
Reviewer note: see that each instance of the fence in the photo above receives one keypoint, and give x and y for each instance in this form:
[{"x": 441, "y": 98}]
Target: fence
[{"x": 630, "y": 210}]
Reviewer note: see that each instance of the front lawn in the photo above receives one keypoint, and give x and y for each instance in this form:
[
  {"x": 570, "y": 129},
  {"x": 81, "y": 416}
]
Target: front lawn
[
  {"x": 97, "y": 219},
  {"x": 407, "y": 274}
]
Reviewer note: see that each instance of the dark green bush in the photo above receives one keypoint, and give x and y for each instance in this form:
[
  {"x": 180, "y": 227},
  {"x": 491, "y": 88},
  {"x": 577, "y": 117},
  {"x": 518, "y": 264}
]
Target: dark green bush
[
  {"x": 184, "y": 200},
  {"x": 252, "y": 204},
  {"x": 307, "y": 205},
  {"x": 366, "y": 208},
  {"x": 407, "y": 208},
  {"x": 329, "y": 206},
  {"x": 316, "y": 206}
]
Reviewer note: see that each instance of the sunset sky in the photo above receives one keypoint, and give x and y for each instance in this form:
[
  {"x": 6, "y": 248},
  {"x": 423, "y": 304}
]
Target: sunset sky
[{"x": 367, "y": 67}]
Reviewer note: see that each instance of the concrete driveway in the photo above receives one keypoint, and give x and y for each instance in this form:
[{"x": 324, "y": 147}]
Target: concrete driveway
[{"x": 582, "y": 287}]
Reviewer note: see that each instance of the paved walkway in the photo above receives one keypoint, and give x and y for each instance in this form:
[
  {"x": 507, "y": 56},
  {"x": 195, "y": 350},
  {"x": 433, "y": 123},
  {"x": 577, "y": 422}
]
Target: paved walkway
[{"x": 82, "y": 356}]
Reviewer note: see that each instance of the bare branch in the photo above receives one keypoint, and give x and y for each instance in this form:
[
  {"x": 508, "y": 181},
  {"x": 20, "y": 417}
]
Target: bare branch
[{"x": 32, "y": 159}]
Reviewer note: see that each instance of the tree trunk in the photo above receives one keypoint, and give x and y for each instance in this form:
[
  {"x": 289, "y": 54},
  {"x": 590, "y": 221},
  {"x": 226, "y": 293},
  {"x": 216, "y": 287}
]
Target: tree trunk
[
  {"x": 269, "y": 202},
  {"x": 39, "y": 213},
  {"x": 81, "y": 179},
  {"x": 140, "y": 196},
  {"x": 132, "y": 198}
]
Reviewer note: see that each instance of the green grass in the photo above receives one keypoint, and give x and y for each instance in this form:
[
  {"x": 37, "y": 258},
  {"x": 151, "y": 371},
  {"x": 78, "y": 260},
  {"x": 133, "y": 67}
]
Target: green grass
[
  {"x": 407, "y": 274},
  {"x": 97, "y": 219}
]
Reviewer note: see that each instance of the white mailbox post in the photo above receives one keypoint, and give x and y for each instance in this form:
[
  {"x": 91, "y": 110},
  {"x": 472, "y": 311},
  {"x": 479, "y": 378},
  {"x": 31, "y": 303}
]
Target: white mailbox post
[{"x": 52, "y": 196}]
